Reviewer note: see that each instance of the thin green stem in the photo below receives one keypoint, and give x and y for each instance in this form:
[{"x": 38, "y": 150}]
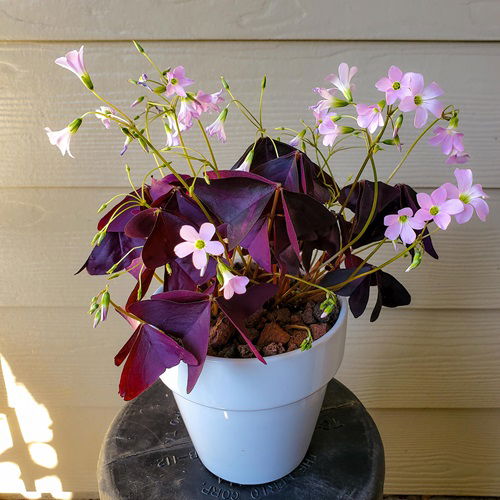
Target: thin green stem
[{"x": 410, "y": 149}]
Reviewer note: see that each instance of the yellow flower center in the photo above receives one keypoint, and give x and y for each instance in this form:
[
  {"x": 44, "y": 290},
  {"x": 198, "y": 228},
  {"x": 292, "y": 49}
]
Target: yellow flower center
[
  {"x": 434, "y": 210},
  {"x": 418, "y": 100},
  {"x": 403, "y": 218},
  {"x": 464, "y": 198},
  {"x": 199, "y": 244},
  {"x": 396, "y": 85}
]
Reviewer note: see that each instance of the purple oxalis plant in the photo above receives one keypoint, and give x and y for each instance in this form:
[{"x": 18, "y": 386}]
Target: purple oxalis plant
[{"x": 276, "y": 226}]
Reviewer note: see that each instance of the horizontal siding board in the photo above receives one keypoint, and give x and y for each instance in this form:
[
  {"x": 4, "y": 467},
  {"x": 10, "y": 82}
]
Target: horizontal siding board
[
  {"x": 30, "y": 100},
  {"x": 260, "y": 19},
  {"x": 407, "y": 359},
  {"x": 440, "y": 452},
  {"x": 49, "y": 231}
]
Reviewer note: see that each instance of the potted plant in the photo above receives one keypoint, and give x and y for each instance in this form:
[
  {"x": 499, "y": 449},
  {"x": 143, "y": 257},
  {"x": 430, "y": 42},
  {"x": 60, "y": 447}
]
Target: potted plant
[{"x": 259, "y": 263}]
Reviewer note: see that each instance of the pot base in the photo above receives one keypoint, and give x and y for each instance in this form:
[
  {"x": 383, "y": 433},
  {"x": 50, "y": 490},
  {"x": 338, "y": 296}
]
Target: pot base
[{"x": 283, "y": 435}]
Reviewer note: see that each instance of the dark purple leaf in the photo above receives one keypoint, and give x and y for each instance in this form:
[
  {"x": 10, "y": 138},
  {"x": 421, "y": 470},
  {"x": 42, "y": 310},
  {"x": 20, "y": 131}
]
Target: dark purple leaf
[
  {"x": 112, "y": 248},
  {"x": 146, "y": 277},
  {"x": 185, "y": 276},
  {"x": 149, "y": 353},
  {"x": 240, "y": 307},
  {"x": 264, "y": 151},
  {"x": 391, "y": 293},
  {"x": 160, "y": 187},
  {"x": 184, "y": 314},
  {"x": 257, "y": 244},
  {"x": 311, "y": 221},
  {"x": 238, "y": 201},
  {"x": 283, "y": 252},
  {"x": 127, "y": 208}
]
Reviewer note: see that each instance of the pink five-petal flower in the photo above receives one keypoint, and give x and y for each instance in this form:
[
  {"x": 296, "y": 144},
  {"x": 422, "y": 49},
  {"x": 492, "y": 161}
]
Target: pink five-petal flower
[
  {"x": 437, "y": 207},
  {"x": 217, "y": 127},
  {"x": 402, "y": 225},
  {"x": 233, "y": 284},
  {"x": 329, "y": 99},
  {"x": 73, "y": 61},
  {"x": 459, "y": 157},
  {"x": 370, "y": 116},
  {"x": 343, "y": 80},
  {"x": 199, "y": 244},
  {"x": 177, "y": 80},
  {"x": 471, "y": 195},
  {"x": 319, "y": 114},
  {"x": 449, "y": 138},
  {"x": 396, "y": 85},
  {"x": 329, "y": 130},
  {"x": 189, "y": 109},
  {"x": 209, "y": 102},
  {"x": 61, "y": 139},
  {"x": 422, "y": 100}
]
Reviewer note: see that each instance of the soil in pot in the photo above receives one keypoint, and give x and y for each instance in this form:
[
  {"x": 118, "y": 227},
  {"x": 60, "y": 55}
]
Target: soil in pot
[{"x": 273, "y": 329}]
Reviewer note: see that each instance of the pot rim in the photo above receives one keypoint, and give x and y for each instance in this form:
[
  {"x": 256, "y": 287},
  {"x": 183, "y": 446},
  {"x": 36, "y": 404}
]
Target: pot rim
[{"x": 275, "y": 359}]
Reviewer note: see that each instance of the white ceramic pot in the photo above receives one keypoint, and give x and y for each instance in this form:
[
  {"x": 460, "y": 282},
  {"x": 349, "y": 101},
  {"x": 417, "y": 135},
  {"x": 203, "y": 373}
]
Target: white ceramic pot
[{"x": 252, "y": 423}]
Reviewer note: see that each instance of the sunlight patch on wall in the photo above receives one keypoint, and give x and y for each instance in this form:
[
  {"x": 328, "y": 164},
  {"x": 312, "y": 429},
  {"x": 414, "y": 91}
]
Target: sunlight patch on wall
[{"x": 35, "y": 424}]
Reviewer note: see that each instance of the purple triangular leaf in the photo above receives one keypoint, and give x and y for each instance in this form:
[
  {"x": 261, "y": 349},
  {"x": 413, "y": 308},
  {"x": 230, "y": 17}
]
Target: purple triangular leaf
[
  {"x": 184, "y": 314},
  {"x": 238, "y": 201},
  {"x": 240, "y": 307},
  {"x": 257, "y": 244},
  {"x": 150, "y": 353},
  {"x": 112, "y": 248}
]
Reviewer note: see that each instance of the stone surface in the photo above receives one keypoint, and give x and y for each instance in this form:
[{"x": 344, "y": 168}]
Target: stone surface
[{"x": 147, "y": 455}]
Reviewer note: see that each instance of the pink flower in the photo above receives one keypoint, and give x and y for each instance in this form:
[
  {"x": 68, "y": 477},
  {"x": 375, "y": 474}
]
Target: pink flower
[
  {"x": 319, "y": 114},
  {"x": 189, "y": 109},
  {"x": 217, "y": 127},
  {"x": 329, "y": 130},
  {"x": 171, "y": 131},
  {"x": 199, "y": 244},
  {"x": 449, "y": 138},
  {"x": 61, "y": 139},
  {"x": 103, "y": 115},
  {"x": 297, "y": 139},
  {"x": 459, "y": 157},
  {"x": 395, "y": 85},
  {"x": 471, "y": 196},
  {"x": 233, "y": 284},
  {"x": 436, "y": 207},
  {"x": 209, "y": 102},
  {"x": 73, "y": 61},
  {"x": 343, "y": 80},
  {"x": 370, "y": 117},
  {"x": 402, "y": 225},
  {"x": 247, "y": 162},
  {"x": 329, "y": 100},
  {"x": 422, "y": 100},
  {"x": 177, "y": 80}
]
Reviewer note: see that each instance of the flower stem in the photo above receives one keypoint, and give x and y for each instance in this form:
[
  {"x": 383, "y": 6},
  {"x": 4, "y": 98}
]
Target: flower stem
[{"x": 410, "y": 149}]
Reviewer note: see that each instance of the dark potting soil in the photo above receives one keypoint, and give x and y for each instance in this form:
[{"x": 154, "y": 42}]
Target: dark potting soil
[{"x": 273, "y": 330}]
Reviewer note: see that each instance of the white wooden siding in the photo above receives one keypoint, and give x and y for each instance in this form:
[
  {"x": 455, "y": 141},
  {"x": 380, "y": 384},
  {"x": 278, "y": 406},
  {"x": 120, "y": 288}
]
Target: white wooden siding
[{"x": 429, "y": 373}]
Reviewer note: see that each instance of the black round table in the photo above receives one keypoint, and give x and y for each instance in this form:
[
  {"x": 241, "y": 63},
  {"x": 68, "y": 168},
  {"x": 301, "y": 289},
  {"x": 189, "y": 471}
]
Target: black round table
[{"x": 147, "y": 455}]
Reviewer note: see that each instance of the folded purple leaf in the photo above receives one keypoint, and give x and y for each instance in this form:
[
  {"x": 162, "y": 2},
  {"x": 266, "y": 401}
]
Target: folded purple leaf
[
  {"x": 238, "y": 200},
  {"x": 240, "y": 307},
  {"x": 149, "y": 353},
  {"x": 183, "y": 314},
  {"x": 257, "y": 244},
  {"x": 112, "y": 248}
]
